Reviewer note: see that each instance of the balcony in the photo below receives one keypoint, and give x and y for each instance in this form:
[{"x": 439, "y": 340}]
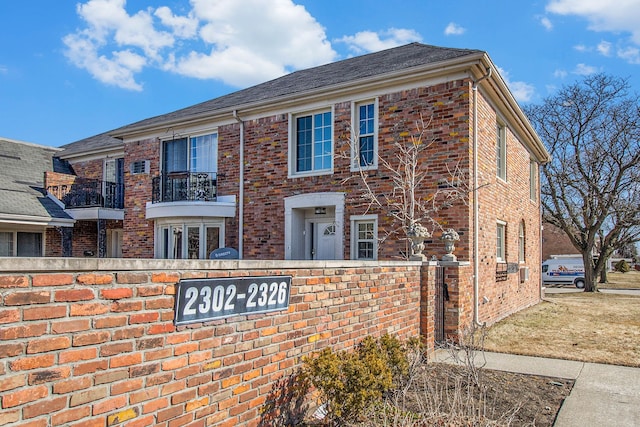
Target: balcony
[
  {"x": 185, "y": 186},
  {"x": 90, "y": 193}
]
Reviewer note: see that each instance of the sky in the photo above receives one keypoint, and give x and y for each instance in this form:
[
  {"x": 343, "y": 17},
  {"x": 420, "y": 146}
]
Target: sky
[{"x": 73, "y": 69}]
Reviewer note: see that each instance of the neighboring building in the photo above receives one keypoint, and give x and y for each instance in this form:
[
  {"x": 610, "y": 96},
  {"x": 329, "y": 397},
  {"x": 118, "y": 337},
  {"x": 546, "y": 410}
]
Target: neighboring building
[
  {"x": 27, "y": 214},
  {"x": 556, "y": 242},
  {"x": 263, "y": 170}
]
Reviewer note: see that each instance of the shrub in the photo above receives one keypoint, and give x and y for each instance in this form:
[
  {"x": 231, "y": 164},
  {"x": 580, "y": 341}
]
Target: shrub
[
  {"x": 622, "y": 266},
  {"x": 351, "y": 382}
]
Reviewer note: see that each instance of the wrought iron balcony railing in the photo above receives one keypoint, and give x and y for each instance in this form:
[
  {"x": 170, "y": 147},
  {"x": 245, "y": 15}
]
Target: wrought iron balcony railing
[
  {"x": 185, "y": 186},
  {"x": 89, "y": 193}
]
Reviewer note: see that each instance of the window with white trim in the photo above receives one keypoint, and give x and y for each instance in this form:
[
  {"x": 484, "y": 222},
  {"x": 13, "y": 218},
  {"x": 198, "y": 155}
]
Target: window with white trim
[
  {"x": 501, "y": 151},
  {"x": 21, "y": 243},
  {"x": 533, "y": 179},
  {"x": 189, "y": 239},
  {"x": 364, "y": 237},
  {"x": 311, "y": 143},
  {"x": 193, "y": 154},
  {"x": 364, "y": 150},
  {"x": 521, "y": 243},
  {"x": 501, "y": 242}
]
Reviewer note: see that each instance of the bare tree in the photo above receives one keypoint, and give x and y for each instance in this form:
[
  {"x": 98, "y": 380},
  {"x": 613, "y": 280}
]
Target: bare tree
[
  {"x": 590, "y": 187},
  {"x": 413, "y": 209}
]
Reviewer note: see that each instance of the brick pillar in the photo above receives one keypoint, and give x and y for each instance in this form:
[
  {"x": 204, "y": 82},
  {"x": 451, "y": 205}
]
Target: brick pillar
[
  {"x": 459, "y": 307},
  {"x": 427, "y": 304}
]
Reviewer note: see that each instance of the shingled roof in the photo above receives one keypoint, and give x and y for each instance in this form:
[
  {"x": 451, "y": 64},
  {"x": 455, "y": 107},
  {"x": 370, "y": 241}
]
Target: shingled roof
[
  {"x": 333, "y": 74},
  {"x": 22, "y": 179}
]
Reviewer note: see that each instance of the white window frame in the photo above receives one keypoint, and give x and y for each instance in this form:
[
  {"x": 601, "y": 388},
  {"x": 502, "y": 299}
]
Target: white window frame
[
  {"x": 533, "y": 180},
  {"x": 522, "y": 240},
  {"x": 360, "y": 219},
  {"x": 177, "y": 225},
  {"x": 293, "y": 141},
  {"x": 190, "y": 137},
  {"x": 501, "y": 151},
  {"x": 355, "y": 135},
  {"x": 14, "y": 241},
  {"x": 501, "y": 241}
]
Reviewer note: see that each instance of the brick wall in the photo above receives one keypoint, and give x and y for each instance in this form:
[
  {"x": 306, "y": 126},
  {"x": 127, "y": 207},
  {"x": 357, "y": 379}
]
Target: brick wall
[
  {"x": 507, "y": 201},
  {"x": 91, "y": 342}
]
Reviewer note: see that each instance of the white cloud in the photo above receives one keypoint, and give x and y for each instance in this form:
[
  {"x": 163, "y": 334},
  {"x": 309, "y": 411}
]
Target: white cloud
[
  {"x": 560, "y": 74},
  {"x": 522, "y": 92},
  {"x": 629, "y": 54},
  {"x": 604, "y": 48},
  {"x": 603, "y": 16},
  {"x": 454, "y": 29},
  {"x": 240, "y": 43},
  {"x": 369, "y": 41},
  {"x": 584, "y": 70},
  {"x": 545, "y": 22}
]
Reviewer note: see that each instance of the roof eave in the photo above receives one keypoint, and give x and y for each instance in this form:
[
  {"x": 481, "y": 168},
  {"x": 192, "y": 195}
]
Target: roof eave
[{"x": 441, "y": 68}]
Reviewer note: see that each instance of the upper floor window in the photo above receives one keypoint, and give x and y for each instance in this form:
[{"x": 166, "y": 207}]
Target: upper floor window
[
  {"x": 501, "y": 151},
  {"x": 533, "y": 179},
  {"x": 194, "y": 154},
  {"x": 312, "y": 143},
  {"x": 364, "y": 149}
]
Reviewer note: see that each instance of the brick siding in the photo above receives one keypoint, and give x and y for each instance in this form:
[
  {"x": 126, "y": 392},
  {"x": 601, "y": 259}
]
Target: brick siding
[{"x": 92, "y": 342}]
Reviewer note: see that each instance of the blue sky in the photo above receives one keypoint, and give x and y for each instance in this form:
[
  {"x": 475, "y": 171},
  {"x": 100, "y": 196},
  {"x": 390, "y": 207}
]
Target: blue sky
[{"x": 73, "y": 69}]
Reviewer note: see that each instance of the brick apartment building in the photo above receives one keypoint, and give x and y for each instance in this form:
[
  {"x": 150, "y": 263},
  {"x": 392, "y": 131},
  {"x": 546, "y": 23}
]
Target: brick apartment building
[{"x": 271, "y": 171}]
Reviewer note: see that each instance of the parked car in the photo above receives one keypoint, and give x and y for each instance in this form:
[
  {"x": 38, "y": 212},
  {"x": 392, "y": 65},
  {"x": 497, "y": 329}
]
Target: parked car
[{"x": 563, "y": 271}]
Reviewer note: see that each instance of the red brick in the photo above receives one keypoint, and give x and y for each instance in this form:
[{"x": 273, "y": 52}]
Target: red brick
[
  {"x": 44, "y": 407},
  {"x": 151, "y": 290},
  {"x": 165, "y": 277},
  {"x": 116, "y": 348},
  {"x": 161, "y": 329},
  {"x": 27, "y": 298},
  {"x": 91, "y": 338},
  {"x": 109, "y": 405},
  {"x": 12, "y": 382},
  {"x": 65, "y": 417},
  {"x": 92, "y": 422},
  {"x": 48, "y": 344},
  {"x": 126, "y": 360},
  {"x": 14, "y": 282},
  {"x": 11, "y": 349},
  {"x": 41, "y": 313},
  {"x": 120, "y": 306},
  {"x": 89, "y": 309},
  {"x": 91, "y": 395},
  {"x": 20, "y": 397},
  {"x": 91, "y": 367},
  {"x": 159, "y": 303},
  {"x": 72, "y": 385},
  {"x": 8, "y": 417},
  {"x": 71, "y": 356},
  {"x": 94, "y": 279},
  {"x": 73, "y": 295},
  {"x": 9, "y": 316},
  {"x": 155, "y": 405},
  {"x": 52, "y": 279},
  {"x": 132, "y": 278},
  {"x": 35, "y": 362},
  {"x": 117, "y": 293},
  {"x": 126, "y": 386},
  {"x": 143, "y": 318},
  {"x": 67, "y": 326},
  {"x": 49, "y": 375},
  {"x": 109, "y": 322}
]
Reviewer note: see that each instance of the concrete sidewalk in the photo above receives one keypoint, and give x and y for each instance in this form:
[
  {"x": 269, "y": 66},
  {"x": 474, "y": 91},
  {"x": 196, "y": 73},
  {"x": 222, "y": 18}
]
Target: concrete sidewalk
[{"x": 603, "y": 395}]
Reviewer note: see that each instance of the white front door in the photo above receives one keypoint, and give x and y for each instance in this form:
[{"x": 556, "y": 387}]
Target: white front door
[{"x": 325, "y": 240}]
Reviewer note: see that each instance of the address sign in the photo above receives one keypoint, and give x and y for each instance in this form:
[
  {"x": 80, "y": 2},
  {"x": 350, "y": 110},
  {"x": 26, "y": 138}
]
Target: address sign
[{"x": 199, "y": 300}]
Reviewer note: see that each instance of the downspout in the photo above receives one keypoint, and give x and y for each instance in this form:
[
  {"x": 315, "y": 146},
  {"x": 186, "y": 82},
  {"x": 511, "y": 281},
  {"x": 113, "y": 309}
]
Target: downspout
[
  {"x": 241, "y": 188},
  {"x": 476, "y": 213}
]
